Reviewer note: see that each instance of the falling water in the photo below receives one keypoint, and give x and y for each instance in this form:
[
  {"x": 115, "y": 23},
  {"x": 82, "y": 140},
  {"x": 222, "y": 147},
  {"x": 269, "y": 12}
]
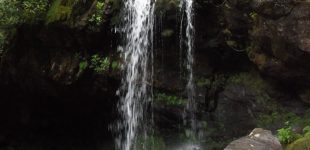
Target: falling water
[
  {"x": 191, "y": 108},
  {"x": 136, "y": 88}
]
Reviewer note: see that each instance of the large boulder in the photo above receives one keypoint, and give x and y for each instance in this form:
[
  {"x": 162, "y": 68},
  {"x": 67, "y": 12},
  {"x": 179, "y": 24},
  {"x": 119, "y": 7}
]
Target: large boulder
[
  {"x": 281, "y": 41},
  {"x": 237, "y": 109},
  {"x": 258, "y": 139}
]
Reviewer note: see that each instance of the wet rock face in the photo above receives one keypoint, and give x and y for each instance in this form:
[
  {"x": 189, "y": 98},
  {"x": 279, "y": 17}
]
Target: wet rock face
[
  {"x": 39, "y": 70},
  {"x": 47, "y": 58},
  {"x": 258, "y": 139},
  {"x": 237, "y": 107},
  {"x": 281, "y": 41},
  {"x": 44, "y": 93}
]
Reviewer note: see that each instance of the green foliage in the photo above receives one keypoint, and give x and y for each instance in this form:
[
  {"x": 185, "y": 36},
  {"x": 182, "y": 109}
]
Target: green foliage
[
  {"x": 301, "y": 142},
  {"x": 34, "y": 9},
  {"x": 286, "y": 135},
  {"x": 282, "y": 118},
  {"x": 99, "y": 64},
  {"x": 15, "y": 12},
  {"x": 265, "y": 120},
  {"x": 9, "y": 13},
  {"x": 169, "y": 99},
  {"x": 97, "y": 17},
  {"x": 60, "y": 10},
  {"x": 115, "y": 65},
  {"x": 83, "y": 65},
  {"x": 273, "y": 115}
]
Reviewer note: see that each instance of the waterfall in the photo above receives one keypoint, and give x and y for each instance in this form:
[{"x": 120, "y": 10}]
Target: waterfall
[
  {"x": 136, "y": 89},
  {"x": 191, "y": 107}
]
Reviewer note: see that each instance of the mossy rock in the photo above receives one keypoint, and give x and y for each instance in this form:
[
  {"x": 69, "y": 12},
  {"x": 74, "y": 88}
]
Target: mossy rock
[{"x": 300, "y": 144}]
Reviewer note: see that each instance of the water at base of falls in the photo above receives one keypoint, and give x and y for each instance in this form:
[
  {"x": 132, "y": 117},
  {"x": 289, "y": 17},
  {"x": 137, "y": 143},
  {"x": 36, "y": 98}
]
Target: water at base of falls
[
  {"x": 135, "y": 91},
  {"x": 188, "y": 147}
]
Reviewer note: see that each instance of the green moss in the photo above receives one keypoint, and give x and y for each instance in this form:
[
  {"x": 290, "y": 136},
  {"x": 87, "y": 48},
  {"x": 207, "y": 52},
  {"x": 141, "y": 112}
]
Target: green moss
[
  {"x": 60, "y": 10},
  {"x": 115, "y": 65},
  {"x": 167, "y": 33},
  {"x": 252, "y": 80},
  {"x": 82, "y": 66},
  {"x": 150, "y": 143},
  {"x": 265, "y": 120},
  {"x": 300, "y": 144},
  {"x": 171, "y": 100},
  {"x": 217, "y": 80},
  {"x": 306, "y": 131},
  {"x": 203, "y": 82},
  {"x": 282, "y": 119}
]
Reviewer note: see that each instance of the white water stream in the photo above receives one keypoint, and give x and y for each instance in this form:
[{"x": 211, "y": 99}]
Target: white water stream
[{"x": 135, "y": 91}]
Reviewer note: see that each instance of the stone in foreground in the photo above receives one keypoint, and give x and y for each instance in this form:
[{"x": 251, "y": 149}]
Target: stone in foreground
[{"x": 258, "y": 139}]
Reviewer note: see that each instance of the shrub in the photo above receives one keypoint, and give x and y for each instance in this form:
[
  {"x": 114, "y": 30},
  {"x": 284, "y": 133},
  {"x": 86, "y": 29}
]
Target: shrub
[
  {"x": 285, "y": 135},
  {"x": 97, "y": 17},
  {"x": 99, "y": 64}
]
